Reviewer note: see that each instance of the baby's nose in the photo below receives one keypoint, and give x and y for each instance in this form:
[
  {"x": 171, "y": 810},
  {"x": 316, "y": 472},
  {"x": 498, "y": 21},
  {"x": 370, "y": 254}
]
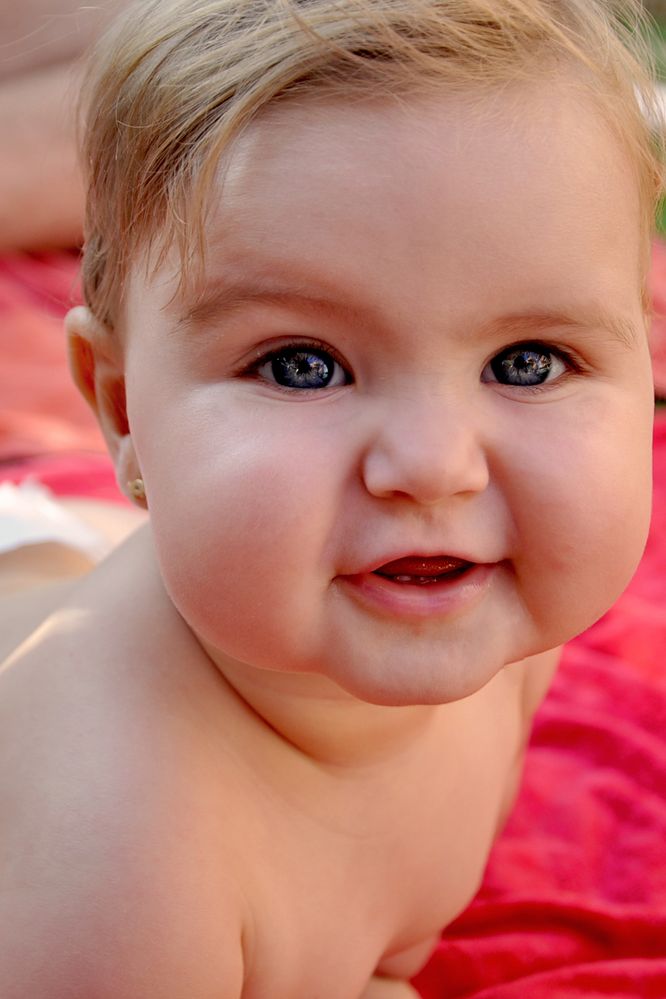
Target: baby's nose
[{"x": 426, "y": 451}]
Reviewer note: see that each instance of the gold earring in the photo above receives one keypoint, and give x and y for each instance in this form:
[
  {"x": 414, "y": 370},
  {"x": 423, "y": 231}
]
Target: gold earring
[{"x": 137, "y": 490}]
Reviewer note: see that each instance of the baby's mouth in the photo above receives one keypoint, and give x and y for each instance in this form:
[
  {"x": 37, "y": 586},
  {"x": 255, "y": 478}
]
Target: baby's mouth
[{"x": 417, "y": 570}]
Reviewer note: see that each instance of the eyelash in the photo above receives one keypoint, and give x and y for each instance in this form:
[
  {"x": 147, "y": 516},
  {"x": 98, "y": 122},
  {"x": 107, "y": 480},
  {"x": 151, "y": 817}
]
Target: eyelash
[
  {"x": 573, "y": 365},
  {"x": 301, "y": 346}
]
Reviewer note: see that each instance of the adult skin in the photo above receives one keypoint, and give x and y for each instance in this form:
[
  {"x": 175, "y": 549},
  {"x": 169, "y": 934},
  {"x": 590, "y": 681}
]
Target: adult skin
[{"x": 41, "y": 193}]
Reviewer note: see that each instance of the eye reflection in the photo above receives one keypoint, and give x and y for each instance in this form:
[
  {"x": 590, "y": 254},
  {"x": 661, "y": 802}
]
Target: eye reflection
[
  {"x": 526, "y": 365},
  {"x": 302, "y": 368}
]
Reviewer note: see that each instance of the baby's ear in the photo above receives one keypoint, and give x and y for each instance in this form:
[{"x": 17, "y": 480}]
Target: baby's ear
[{"x": 96, "y": 360}]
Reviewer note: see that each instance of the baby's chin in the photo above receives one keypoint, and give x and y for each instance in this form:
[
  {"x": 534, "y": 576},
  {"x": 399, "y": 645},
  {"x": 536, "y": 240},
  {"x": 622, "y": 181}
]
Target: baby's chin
[
  {"x": 431, "y": 680},
  {"x": 379, "y": 662}
]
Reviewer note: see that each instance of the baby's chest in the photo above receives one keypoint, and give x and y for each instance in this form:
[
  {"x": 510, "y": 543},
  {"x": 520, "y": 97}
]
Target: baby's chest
[{"x": 345, "y": 892}]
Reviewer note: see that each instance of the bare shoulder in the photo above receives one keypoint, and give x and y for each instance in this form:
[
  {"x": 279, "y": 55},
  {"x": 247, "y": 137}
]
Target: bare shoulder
[
  {"x": 538, "y": 674},
  {"x": 21, "y": 613},
  {"x": 531, "y": 679},
  {"x": 36, "y": 579},
  {"x": 117, "y": 869}
]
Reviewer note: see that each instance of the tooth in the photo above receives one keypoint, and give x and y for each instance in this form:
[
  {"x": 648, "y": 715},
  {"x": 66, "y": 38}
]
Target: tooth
[{"x": 417, "y": 580}]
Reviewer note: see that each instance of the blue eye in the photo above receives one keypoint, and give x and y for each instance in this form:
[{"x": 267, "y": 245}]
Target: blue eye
[
  {"x": 306, "y": 367},
  {"x": 525, "y": 365}
]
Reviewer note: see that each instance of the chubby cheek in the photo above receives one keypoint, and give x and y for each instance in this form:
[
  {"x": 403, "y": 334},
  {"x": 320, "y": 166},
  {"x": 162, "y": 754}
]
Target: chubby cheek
[
  {"x": 584, "y": 518},
  {"x": 241, "y": 528}
]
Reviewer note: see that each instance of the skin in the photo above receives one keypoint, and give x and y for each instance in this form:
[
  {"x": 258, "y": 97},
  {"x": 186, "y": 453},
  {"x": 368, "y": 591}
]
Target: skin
[
  {"x": 41, "y": 189},
  {"x": 418, "y": 453},
  {"x": 316, "y": 726}
]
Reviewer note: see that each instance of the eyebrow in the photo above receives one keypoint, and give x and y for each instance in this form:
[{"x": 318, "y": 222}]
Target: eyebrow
[
  {"x": 231, "y": 296},
  {"x": 581, "y": 320},
  {"x": 228, "y": 297}
]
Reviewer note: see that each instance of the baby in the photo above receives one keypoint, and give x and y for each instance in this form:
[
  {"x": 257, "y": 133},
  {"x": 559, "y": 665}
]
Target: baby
[{"x": 366, "y": 334}]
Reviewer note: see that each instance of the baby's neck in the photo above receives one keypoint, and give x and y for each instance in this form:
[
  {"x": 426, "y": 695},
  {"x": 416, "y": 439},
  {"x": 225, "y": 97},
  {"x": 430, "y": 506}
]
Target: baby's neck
[{"x": 324, "y": 722}]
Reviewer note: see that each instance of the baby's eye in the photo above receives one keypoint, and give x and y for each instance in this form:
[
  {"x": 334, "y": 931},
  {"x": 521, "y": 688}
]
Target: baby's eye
[
  {"x": 525, "y": 364},
  {"x": 302, "y": 367}
]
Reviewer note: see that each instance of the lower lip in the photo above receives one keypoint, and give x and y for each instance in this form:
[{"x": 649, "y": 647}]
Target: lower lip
[{"x": 410, "y": 600}]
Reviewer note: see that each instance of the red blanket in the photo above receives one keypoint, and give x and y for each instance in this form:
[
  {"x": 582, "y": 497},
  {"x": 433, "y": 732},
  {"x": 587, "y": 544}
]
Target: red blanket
[
  {"x": 574, "y": 899},
  {"x": 39, "y": 411}
]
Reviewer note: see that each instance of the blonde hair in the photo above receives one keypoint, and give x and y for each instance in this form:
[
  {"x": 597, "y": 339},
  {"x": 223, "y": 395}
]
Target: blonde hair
[{"x": 175, "y": 82}]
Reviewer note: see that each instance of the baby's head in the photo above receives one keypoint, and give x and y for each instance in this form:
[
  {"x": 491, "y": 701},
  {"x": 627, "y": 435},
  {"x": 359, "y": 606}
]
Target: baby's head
[{"x": 366, "y": 284}]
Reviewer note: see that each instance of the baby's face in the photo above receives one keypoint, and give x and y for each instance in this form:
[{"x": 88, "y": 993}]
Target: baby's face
[{"x": 421, "y": 337}]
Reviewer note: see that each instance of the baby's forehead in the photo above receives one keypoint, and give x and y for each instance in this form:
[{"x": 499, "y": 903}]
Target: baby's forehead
[
  {"x": 318, "y": 124},
  {"x": 320, "y": 157},
  {"x": 317, "y": 197}
]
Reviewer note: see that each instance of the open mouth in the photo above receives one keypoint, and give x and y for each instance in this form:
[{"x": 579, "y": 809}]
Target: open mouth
[
  {"x": 417, "y": 587},
  {"x": 420, "y": 571}
]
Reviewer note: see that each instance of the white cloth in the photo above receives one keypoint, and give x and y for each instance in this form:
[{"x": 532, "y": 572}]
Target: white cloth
[{"x": 30, "y": 515}]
